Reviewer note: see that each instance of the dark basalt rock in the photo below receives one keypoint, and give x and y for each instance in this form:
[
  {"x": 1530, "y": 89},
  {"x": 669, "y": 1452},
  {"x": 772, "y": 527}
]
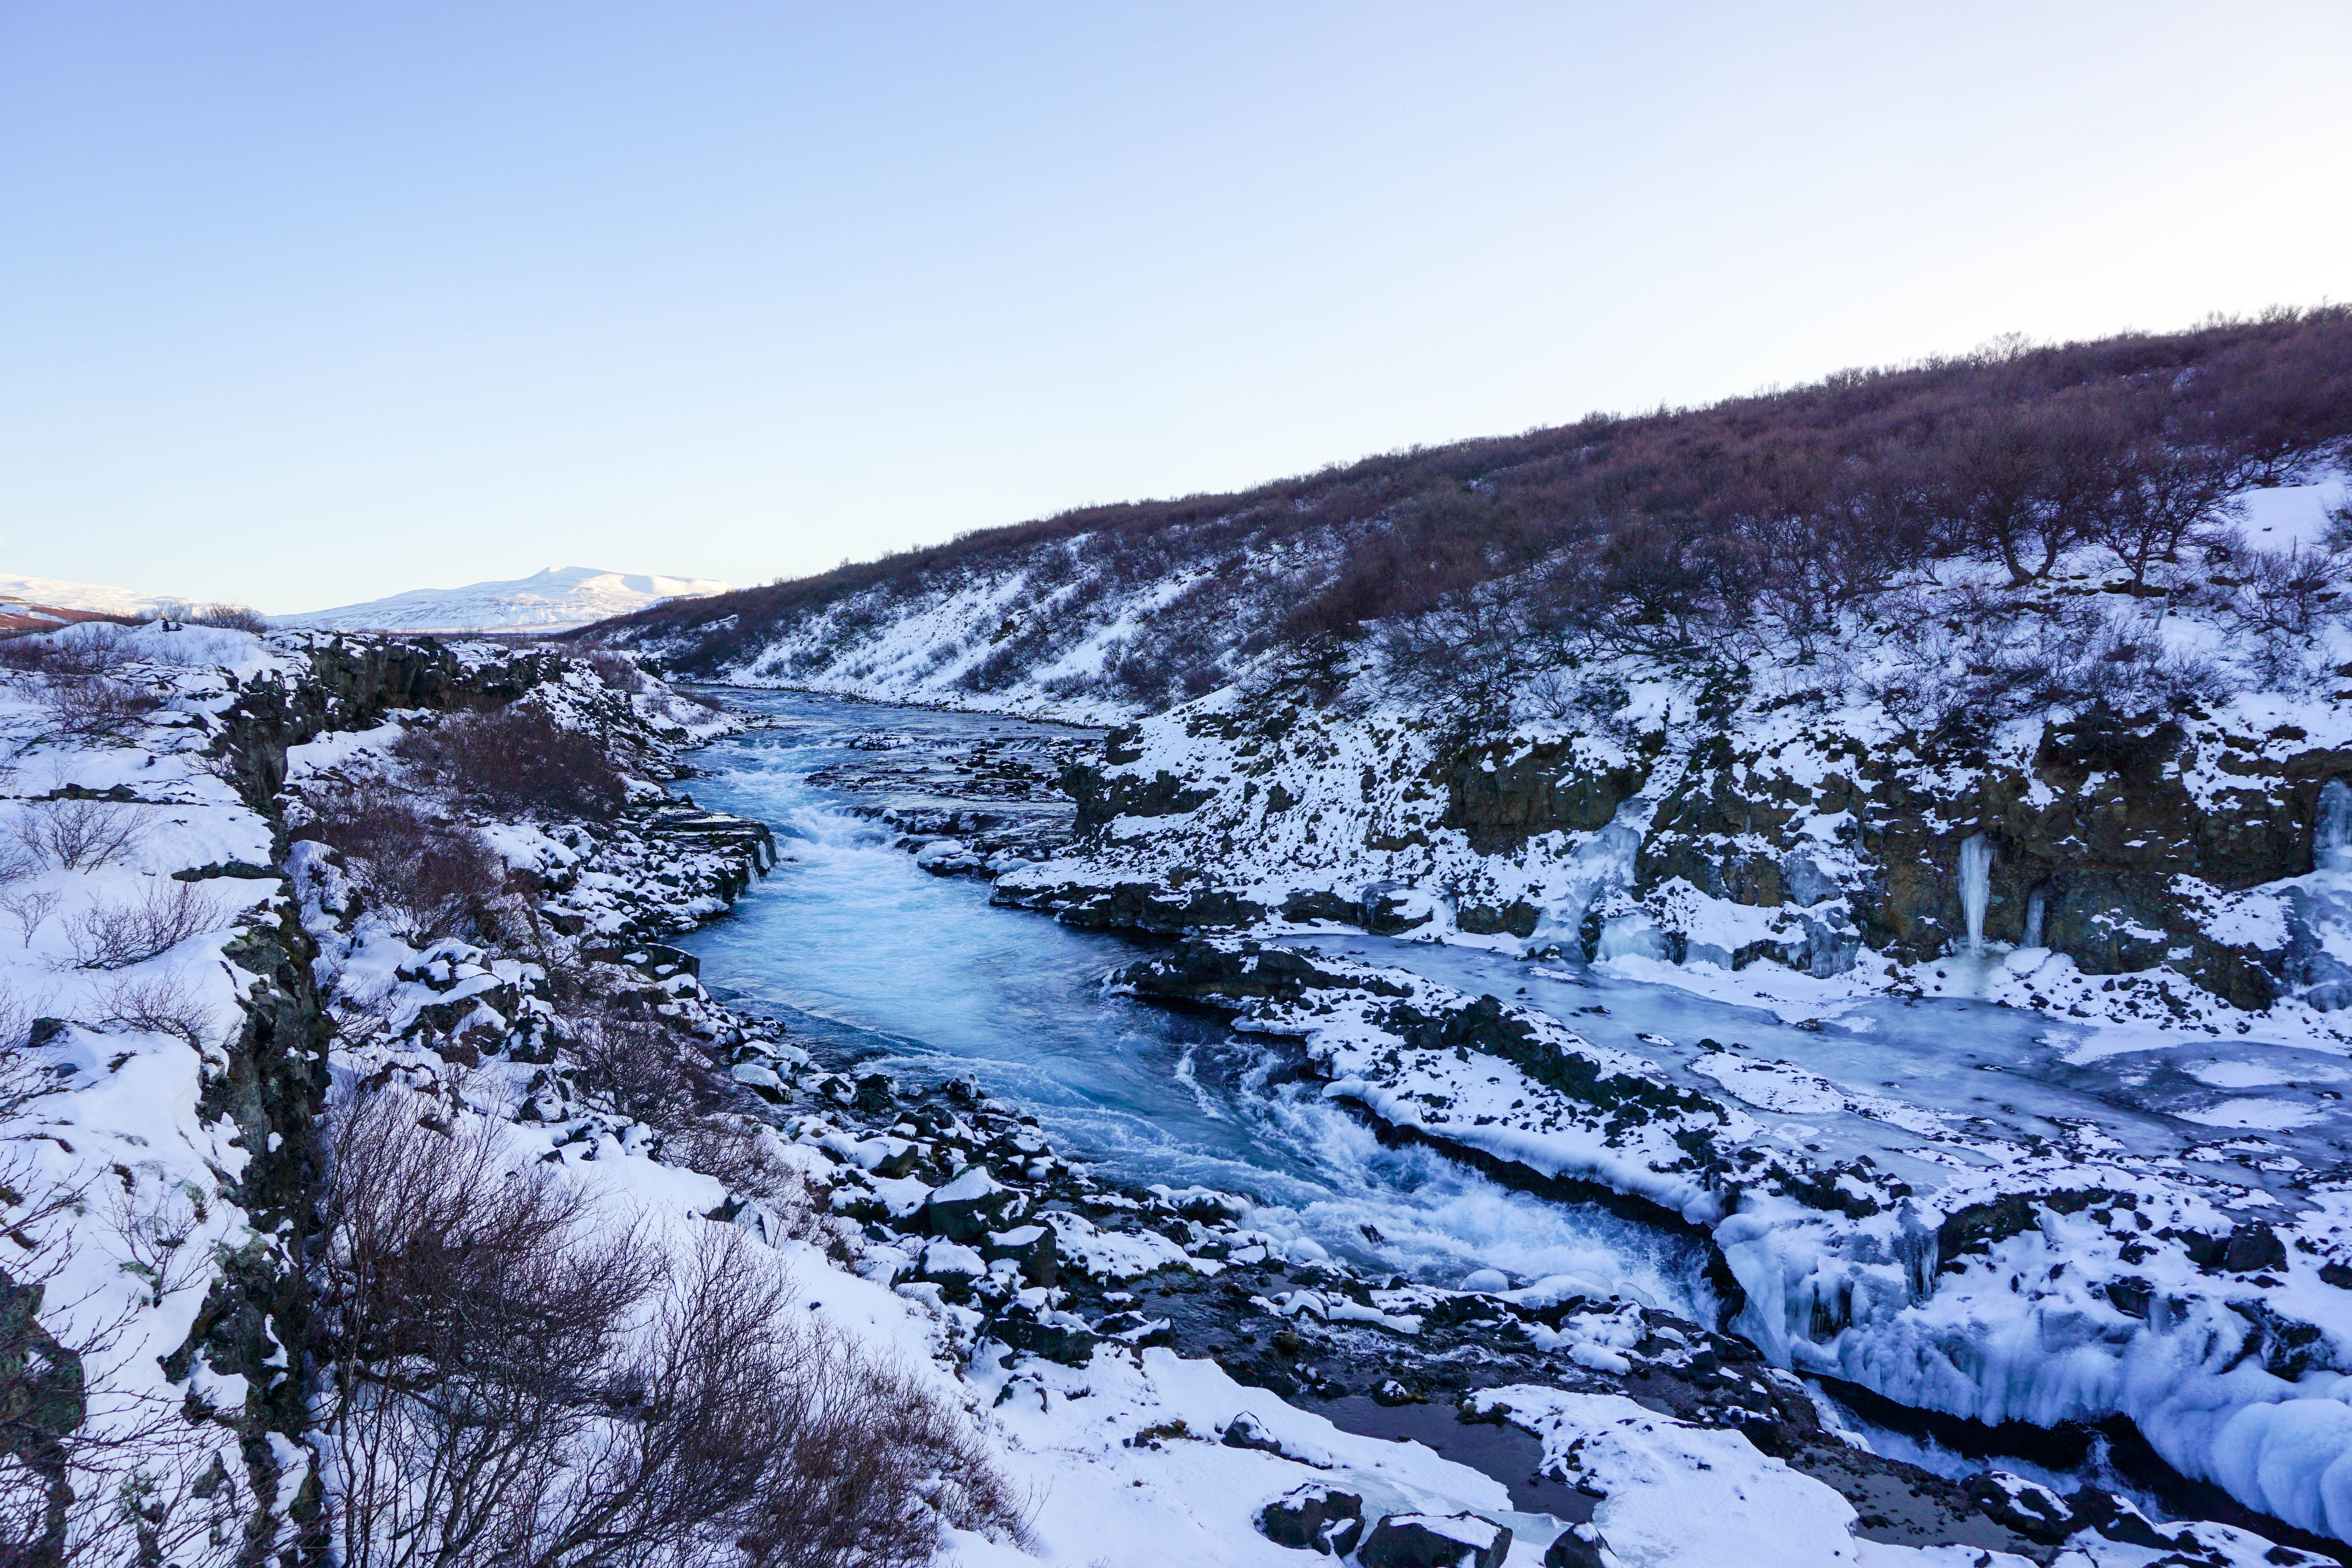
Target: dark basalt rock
[
  {"x": 1314, "y": 1517},
  {"x": 1205, "y": 973},
  {"x": 1140, "y": 906},
  {"x": 1424, "y": 1541},
  {"x": 1243, "y": 1432},
  {"x": 1502, "y": 792},
  {"x": 1056, "y": 1336},
  {"x": 1104, "y": 796},
  {"x": 1034, "y": 1247},
  {"x": 1578, "y": 1546},
  {"x": 1977, "y": 1227},
  {"x": 1517, "y": 918},
  {"x": 968, "y": 1216},
  {"x": 2033, "y": 1511},
  {"x": 1309, "y": 904},
  {"x": 2251, "y": 1246}
]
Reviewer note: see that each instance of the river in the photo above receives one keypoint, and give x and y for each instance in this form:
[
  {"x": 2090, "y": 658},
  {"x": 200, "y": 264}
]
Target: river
[{"x": 864, "y": 954}]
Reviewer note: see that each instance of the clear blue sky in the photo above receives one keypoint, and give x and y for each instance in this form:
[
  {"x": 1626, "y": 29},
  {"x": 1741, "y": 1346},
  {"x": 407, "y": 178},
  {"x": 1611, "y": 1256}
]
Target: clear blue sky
[{"x": 308, "y": 302}]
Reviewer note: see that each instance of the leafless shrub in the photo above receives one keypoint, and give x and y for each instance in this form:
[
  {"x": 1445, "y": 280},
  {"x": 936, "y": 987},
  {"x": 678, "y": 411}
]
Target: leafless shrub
[
  {"x": 143, "y": 1483},
  {"x": 616, "y": 670},
  {"x": 229, "y": 618},
  {"x": 497, "y": 1394},
  {"x": 640, "y": 1069},
  {"x": 441, "y": 875},
  {"x": 115, "y": 936},
  {"x": 518, "y": 760},
  {"x": 1969, "y": 660},
  {"x": 466, "y": 1313},
  {"x": 93, "y": 709},
  {"x": 80, "y": 835},
  {"x": 16, "y": 1023},
  {"x": 75, "y": 652},
  {"x": 855, "y": 1461},
  {"x": 2339, "y": 521},
  {"x": 149, "y": 1224},
  {"x": 161, "y": 1005},
  {"x": 2286, "y": 592},
  {"x": 29, "y": 912},
  {"x": 16, "y": 863}
]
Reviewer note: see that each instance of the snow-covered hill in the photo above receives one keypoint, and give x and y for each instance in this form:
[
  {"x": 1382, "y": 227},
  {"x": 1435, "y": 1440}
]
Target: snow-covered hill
[
  {"x": 554, "y": 600},
  {"x": 92, "y": 596}
]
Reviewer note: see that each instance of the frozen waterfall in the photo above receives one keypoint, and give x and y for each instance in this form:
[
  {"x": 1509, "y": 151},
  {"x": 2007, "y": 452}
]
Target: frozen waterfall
[
  {"x": 2331, "y": 840},
  {"x": 1976, "y": 881}
]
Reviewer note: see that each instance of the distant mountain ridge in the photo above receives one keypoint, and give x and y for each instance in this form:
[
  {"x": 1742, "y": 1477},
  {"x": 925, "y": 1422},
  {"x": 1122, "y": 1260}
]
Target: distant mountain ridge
[
  {"x": 557, "y": 599},
  {"x": 93, "y": 598}
]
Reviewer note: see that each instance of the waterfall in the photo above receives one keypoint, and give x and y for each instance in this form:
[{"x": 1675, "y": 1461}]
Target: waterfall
[
  {"x": 1976, "y": 883},
  {"x": 2331, "y": 840},
  {"x": 2037, "y": 903}
]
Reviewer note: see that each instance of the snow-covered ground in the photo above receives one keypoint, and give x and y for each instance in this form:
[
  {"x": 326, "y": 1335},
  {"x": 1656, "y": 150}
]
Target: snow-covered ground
[
  {"x": 155, "y": 911},
  {"x": 557, "y": 599}
]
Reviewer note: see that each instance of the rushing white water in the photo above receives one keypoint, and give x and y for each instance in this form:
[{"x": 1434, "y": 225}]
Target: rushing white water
[
  {"x": 2331, "y": 849},
  {"x": 1976, "y": 883},
  {"x": 866, "y": 954}
]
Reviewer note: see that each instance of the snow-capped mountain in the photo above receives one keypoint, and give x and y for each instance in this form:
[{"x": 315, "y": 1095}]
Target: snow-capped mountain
[
  {"x": 554, "y": 600},
  {"x": 94, "y": 597}
]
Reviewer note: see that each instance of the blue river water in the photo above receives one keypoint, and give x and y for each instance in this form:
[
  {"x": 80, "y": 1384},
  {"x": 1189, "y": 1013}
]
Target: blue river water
[{"x": 861, "y": 952}]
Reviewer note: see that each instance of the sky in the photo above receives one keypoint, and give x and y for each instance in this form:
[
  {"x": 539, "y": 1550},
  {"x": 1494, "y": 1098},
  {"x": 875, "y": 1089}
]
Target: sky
[{"x": 305, "y": 304}]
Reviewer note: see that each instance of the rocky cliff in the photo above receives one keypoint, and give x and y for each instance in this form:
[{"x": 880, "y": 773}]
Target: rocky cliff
[{"x": 2134, "y": 851}]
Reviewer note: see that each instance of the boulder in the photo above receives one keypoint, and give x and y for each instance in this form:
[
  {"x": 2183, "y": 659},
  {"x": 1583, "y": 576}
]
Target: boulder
[
  {"x": 2033, "y": 1511},
  {"x": 1436, "y": 1541},
  {"x": 971, "y": 1206},
  {"x": 1243, "y": 1432},
  {"x": 1033, "y": 1246},
  {"x": 1578, "y": 1546},
  {"x": 1058, "y": 1336},
  {"x": 2253, "y": 1246},
  {"x": 1314, "y": 1517}
]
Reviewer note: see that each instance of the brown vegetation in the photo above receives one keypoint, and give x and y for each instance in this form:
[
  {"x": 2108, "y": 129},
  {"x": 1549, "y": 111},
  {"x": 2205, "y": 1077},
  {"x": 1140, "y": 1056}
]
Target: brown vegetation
[
  {"x": 439, "y": 875},
  {"x": 1789, "y": 504},
  {"x": 507, "y": 1384},
  {"x": 517, "y": 761}
]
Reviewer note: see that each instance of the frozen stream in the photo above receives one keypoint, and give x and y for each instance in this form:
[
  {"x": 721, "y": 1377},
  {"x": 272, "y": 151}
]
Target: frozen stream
[{"x": 852, "y": 945}]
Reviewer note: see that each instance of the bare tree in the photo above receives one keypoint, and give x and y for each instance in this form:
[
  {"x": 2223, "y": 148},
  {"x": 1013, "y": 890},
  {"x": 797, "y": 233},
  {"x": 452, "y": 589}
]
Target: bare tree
[
  {"x": 442, "y": 875},
  {"x": 30, "y": 911},
  {"x": 2158, "y": 497}
]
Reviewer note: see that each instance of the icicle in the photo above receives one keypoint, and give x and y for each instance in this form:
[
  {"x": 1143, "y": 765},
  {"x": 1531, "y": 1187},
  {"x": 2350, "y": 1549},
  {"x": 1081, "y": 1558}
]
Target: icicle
[
  {"x": 2037, "y": 903},
  {"x": 2331, "y": 845},
  {"x": 1976, "y": 882}
]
